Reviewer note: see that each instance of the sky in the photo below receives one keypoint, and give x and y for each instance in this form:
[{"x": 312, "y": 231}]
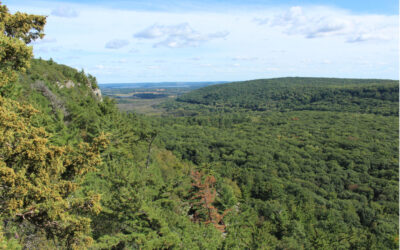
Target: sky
[{"x": 125, "y": 41}]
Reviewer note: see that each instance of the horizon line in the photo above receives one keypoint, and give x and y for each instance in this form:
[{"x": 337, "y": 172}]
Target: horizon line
[{"x": 225, "y": 81}]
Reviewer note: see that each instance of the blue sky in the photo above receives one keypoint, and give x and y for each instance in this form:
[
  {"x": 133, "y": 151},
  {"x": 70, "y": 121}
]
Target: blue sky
[{"x": 152, "y": 41}]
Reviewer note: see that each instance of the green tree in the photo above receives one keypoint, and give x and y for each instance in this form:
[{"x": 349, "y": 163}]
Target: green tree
[
  {"x": 16, "y": 30},
  {"x": 38, "y": 180}
]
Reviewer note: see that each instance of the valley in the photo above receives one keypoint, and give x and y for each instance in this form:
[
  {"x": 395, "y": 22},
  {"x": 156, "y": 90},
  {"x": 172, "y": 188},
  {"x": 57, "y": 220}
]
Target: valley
[
  {"x": 144, "y": 98},
  {"x": 315, "y": 149}
]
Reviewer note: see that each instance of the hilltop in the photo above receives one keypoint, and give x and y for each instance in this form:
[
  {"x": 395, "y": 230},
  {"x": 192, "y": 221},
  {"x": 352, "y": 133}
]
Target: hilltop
[{"x": 297, "y": 93}]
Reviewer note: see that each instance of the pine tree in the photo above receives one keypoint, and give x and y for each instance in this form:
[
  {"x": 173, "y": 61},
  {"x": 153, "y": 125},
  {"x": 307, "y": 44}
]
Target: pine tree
[
  {"x": 38, "y": 181},
  {"x": 203, "y": 199}
]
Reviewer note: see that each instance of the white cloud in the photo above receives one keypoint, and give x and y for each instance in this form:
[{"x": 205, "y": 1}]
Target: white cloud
[
  {"x": 46, "y": 50},
  {"x": 44, "y": 41},
  {"x": 371, "y": 36},
  {"x": 244, "y": 58},
  {"x": 153, "y": 67},
  {"x": 65, "y": 11},
  {"x": 155, "y": 31},
  {"x": 133, "y": 51},
  {"x": 324, "y": 22},
  {"x": 116, "y": 44},
  {"x": 177, "y": 36},
  {"x": 311, "y": 25},
  {"x": 281, "y": 38},
  {"x": 261, "y": 21},
  {"x": 121, "y": 61},
  {"x": 326, "y": 61},
  {"x": 220, "y": 34}
]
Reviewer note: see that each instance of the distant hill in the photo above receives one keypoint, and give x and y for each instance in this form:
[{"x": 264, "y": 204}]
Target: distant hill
[{"x": 297, "y": 93}]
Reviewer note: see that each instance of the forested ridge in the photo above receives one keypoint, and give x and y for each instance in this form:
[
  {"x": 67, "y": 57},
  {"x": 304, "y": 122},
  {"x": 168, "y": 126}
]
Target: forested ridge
[
  {"x": 303, "y": 163},
  {"x": 299, "y": 93}
]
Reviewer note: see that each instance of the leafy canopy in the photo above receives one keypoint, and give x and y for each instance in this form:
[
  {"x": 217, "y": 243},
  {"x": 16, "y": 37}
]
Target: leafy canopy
[{"x": 37, "y": 179}]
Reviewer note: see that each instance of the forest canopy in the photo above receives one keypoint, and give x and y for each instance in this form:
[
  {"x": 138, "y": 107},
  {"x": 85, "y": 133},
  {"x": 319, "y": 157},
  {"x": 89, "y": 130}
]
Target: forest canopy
[{"x": 286, "y": 163}]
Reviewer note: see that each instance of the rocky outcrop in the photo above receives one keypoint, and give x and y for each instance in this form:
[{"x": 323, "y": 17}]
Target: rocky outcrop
[
  {"x": 67, "y": 84},
  {"x": 97, "y": 94},
  {"x": 95, "y": 90},
  {"x": 70, "y": 84},
  {"x": 56, "y": 103}
]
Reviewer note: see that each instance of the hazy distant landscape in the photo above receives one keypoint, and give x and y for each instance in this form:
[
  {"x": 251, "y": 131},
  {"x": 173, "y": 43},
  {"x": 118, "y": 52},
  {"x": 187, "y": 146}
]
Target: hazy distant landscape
[
  {"x": 144, "y": 98},
  {"x": 189, "y": 85}
]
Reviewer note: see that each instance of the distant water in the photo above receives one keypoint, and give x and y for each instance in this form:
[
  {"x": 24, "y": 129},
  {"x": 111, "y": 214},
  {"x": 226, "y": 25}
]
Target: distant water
[{"x": 158, "y": 85}]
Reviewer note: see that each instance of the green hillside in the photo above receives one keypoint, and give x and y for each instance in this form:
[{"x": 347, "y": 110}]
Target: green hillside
[
  {"x": 355, "y": 95},
  {"x": 131, "y": 191}
]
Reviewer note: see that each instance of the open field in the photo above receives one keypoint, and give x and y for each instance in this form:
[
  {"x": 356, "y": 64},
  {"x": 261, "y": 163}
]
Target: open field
[
  {"x": 141, "y": 106},
  {"x": 144, "y": 98}
]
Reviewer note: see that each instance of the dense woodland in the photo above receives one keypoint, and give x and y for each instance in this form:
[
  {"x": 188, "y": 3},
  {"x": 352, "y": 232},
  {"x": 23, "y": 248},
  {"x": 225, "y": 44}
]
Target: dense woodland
[
  {"x": 295, "y": 93},
  {"x": 290, "y": 163},
  {"x": 315, "y": 160}
]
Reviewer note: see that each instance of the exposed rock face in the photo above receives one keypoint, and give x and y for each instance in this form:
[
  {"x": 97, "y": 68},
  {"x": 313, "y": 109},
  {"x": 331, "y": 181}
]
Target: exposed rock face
[
  {"x": 97, "y": 93},
  {"x": 95, "y": 90},
  {"x": 55, "y": 101},
  {"x": 68, "y": 84},
  {"x": 60, "y": 86}
]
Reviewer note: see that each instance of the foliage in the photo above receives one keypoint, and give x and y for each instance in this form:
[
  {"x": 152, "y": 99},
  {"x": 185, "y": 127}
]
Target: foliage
[
  {"x": 21, "y": 25},
  {"x": 299, "y": 163},
  {"x": 283, "y": 94},
  {"x": 142, "y": 205},
  {"x": 203, "y": 197},
  {"x": 38, "y": 180},
  {"x": 321, "y": 178}
]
